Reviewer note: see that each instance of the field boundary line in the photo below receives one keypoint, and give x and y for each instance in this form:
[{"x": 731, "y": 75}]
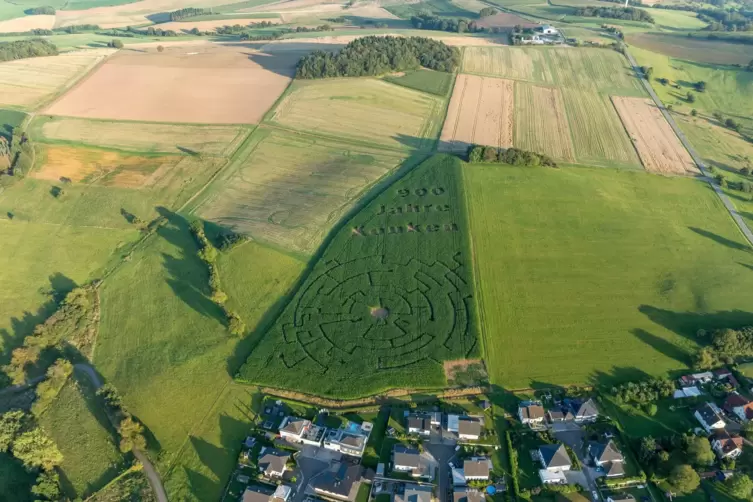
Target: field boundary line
[
  {"x": 744, "y": 229},
  {"x": 69, "y": 86}
]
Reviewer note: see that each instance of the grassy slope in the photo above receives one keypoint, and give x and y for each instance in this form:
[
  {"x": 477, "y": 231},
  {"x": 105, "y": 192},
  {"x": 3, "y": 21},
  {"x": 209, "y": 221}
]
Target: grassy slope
[
  {"x": 166, "y": 349},
  {"x": 81, "y": 430},
  {"x": 39, "y": 259},
  {"x": 433, "y": 82},
  {"x": 443, "y": 8},
  {"x": 572, "y": 262},
  {"x": 676, "y": 19},
  {"x": 405, "y": 349}
]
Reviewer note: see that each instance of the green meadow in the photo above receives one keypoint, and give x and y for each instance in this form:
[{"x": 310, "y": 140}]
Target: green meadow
[
  {"x": 593, "y": 276},
  {"x": 433, "y": 82}
]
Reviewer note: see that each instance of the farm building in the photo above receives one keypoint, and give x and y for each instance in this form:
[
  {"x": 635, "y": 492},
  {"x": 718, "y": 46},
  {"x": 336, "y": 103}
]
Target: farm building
[{"x": 547, "y": 29}]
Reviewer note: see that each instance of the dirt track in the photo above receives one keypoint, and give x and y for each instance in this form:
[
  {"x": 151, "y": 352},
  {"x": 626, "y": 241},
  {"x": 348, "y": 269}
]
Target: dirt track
[{"x": 658, "y": 147}]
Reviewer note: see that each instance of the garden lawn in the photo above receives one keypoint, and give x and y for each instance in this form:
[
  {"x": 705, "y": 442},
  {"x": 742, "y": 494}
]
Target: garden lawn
[
  {"x": 597, "y": 276},
  {"x": 672, "y": 417},
  {"x": 85, "y": 437}
]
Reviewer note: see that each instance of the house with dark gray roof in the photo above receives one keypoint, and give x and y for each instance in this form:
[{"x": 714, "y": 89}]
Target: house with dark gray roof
[
  {"x": 467, "y": 495},
  {"x": 340, "y": 482},
  {"x": 410, "y": 460},
  {"x": 709, "y": 416},
  {"x": 419, "y": 424},
  {"x": 272, "y": 462},
  {"x": 414, "y": 493},
  {"x": 554, "y": 457},
  {"x": 587, "y": 412},
  {"x": 608, "y": 457}
]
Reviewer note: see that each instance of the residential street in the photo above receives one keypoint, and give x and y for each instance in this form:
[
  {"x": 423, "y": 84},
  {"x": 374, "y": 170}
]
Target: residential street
[{"x": 443, "y": 453}]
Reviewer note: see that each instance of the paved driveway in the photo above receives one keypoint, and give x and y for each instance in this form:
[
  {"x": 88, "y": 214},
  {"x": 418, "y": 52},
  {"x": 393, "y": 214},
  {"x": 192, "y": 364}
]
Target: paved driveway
[
  {"x": 442, "y": 453},
  {"x": 308, "y": 467}
]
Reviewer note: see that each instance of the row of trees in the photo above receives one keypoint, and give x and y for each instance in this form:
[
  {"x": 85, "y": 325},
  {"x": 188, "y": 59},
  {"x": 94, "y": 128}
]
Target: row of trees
[
  {"x": 208, "y": 254},
  {"x": 375, "y": 55},
  {"x": 512, "y": 156},
  {"x": 39, "y": 11},
  {"x": 727, "y": 20},
  {"x": 426, "y": 21},
  {"x": 724, "y": 345},
  {"x": 647, "y": 391},
  {"x": 22, "y": 49},
  {"x": 180, "y": 14},
  {"x": 624, "y": 13}
]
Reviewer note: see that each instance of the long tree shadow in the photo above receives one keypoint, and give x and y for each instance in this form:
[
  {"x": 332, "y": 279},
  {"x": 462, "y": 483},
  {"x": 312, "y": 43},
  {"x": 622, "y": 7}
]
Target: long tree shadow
[
  {"x": 663, "y": 346},
  {"x": 739, "y": 246},
  {"x": 687, "y": 324},
  {"x": 188, "y": 275}
]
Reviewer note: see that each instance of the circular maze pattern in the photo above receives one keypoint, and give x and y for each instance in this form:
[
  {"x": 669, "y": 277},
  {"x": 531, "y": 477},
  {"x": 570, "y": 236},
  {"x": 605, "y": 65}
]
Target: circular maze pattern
[{"x": 383, "y": 314}]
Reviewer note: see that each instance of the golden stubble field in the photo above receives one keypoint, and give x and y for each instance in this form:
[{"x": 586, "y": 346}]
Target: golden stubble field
[
  {"x": 658, "y": 147},
  {"x": 480, "y": 112},
  {"x": 197, "y": 83},
  {"x": 541, "y": 123},
  {"x": 30, "y": 82}
]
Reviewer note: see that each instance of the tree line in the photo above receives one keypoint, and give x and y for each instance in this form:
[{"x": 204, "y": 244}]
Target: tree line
[
  {"x": 22, "y": 49},
  {"x": 426, "y": 21},
  {"x": 726, "y": 20},
  {"x": 38, "y": 11},
  {"x": 512, "y": 156},
  {"x": 375, "y": 55},
  {"x": 180, "y": 14},
  {"x": 624, "y": 13}
]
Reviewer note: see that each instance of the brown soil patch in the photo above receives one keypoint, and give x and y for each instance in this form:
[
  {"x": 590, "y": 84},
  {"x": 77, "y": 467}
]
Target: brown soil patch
[
  {"x": 658, "y": 147},
  {"x": 453, "y": 368},
  {"x": 101, "y": 167},
  {"x": 379, "y": 312},
  {"x": 201, "y": 83},
  {"x": 27, "y": 23},
  {"x": 480, "y": 112}
]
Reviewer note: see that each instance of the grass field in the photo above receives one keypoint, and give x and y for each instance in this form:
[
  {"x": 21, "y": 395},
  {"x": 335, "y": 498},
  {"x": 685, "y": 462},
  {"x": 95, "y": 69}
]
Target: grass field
[
  {"x": 33, "y": 276},
  {"x": 390, "y": 296},
  {"x": 82, "y": 432},
  {"x": 398, "y": 117},
  {"x": 433, "y": 82},
  {"x": 729, "y": 90},
  {"x": 30, "y": 82},
  {"x": 541, "y": 123},
  {"x": 614, "y": 258},
  {"x": 172, "y": 360},
  {"x": 444, "y": 8},
  {"x": 131, "y": 486},
  {"x": 10, "y": 119},
  {"x": 599, "y": 139},
  {"x": 143, "y": 137},
  {"x": 693, "y": 49},
  {"x": 518, "y": 63},
  {"x": 676, "y": 19},
  {"x": 289, "y": 189}
]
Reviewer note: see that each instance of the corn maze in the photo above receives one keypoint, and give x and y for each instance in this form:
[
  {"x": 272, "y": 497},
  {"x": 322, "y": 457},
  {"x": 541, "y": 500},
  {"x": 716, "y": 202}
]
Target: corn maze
[{"x": 389, "y": 301}]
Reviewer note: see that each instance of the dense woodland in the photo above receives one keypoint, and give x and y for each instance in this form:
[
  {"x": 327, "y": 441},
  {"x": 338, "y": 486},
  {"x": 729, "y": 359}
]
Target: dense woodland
[
  {"x": 426, "y": 21},
  {"x": 22, "y": 49},
  {"x": 374, "y": 55},
  {"x": 180, "y": 14},
  {"x": 624, "y": 13}
]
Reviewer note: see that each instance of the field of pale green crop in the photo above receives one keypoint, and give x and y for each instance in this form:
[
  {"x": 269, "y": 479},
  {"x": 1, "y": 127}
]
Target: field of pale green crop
[
  {"x": 592, "y": 276},
  {"x": 80, "y": 428},
  {"x": 390, "y": 298},
  {"x": 433, "y": 82}
]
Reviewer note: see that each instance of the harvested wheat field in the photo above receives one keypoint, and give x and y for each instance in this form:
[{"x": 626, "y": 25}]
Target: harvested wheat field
[
  {"x": 658, "y": 147},
  {"x": 139, "y": 136},
  {"x": 30, "y": 82},
  {"x": 128, "y": 14},
  {"x": 517, "y": 63},
  {"x": 541, "y": 122},
  {"x": 27, "y": 23},
  {"x": 197, "y": 83},
  {"x": 480, "y": 112}
]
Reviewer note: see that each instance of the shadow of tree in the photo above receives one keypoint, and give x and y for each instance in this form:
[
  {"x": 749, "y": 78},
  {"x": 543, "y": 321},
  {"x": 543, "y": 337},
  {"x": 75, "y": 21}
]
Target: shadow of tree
[
  {"x": 721, "y": 240},
  {"x": 686, "y": 324},
  {"x": 663, "y": 346}
]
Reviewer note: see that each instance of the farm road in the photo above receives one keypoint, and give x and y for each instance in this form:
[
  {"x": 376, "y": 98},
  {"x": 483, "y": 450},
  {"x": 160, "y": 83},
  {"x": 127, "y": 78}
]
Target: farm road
[
  {"x": 696, "y": 158},
  {"x": 149, "y": 469}
]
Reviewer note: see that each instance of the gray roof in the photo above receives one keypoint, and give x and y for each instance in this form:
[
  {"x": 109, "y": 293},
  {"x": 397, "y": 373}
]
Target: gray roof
[
  {"x": 294, "y": 425},
  {"x": 467, "y": 495},
  {"x": 587, "y": 409},
  {"x": 256, "y": 494},
  {"x": 560, "y": 415},
  {"x": 532, "y": 411},
  {"x": 614, "y": 469},
  {"x": 476, "y": 468},
  {"x": 414, "y": 493},
  {"x": 554, "y": 455},
  {"x": 338, "y": 481},
  {"x": 605, "y": 452},
  {"x": 272, "y": 460},
  {"x": 469, "y": 426},
  {"x": 419, "y": 422},
  {"x": 621, "y": 497},
  {"x": 708, "y": 414},
  {"x": 402, "y": 455}
]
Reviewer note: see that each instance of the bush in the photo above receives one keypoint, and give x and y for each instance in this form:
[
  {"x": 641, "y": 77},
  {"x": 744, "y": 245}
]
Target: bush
[
  {"x": 626, "y": 13},
  {"x": 490, "y": 154},
  {"x": 115, "y": 43},
  {"x": 23, "y": 49}
]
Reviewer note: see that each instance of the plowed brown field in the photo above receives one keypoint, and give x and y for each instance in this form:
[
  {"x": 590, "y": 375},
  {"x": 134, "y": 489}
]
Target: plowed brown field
[
  {"x": 480, "y": 112},
  {"x": 658, "y": 147}
]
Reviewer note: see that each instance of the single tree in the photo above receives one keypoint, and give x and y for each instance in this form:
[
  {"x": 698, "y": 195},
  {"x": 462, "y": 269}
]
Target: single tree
[
  {"x": 750, "y": 65},
  {"x": 691, "y": 97},
  {"x": 35, "y": 449},
  {"x": 693, "y": 112},
  {"x": 705, "y": 358},
  {"x": 740, "y": 486},
  {"x": 700, "y": 86},
  {"x": 731, "y": 124},
  {"x": 647, "y": 450},
  {"x": 47, "y": 486},
  {"x": 684, "y": 479},
  {"x": 651, "y": 409},
  {"x": 699, "y": 451},
  {"x": 131, "y": 435}
]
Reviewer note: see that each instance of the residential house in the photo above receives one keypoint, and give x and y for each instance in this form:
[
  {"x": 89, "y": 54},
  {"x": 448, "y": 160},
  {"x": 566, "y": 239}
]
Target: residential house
[
  {"x": 555, "y": 461},
  {"x": 725, "y": 445},
  {"x": 436, "y": 418},
  {"x": 272, "y": 462},
  {"x": 258, "y": 493},
  {"x": 620, "y": 497},
  {"x": 608, "y": 457},
  {"x": 300, "y": 430},
  {"x": 477, "y": 468},
  {"x": 586, "y": 412},
  {"x": 410, "y": 460},
  {"x": 547, "y": 29},
  {"x": 741, "y": 406},
  {"x": 687, "y": 392},
  {"x": 467, "y": 495},
  {"x": 419, "y": 424},
  {"x": 469, "y": 428},
  {"x": 340, "y": 482},
  {"x": 563, "y": 415},
  {"x": 350, "y": 439},
  {"x": 414, "y": 493},
  {"x": 708, "y": 415},
  {"x": 696, "y": 379},
  {"x": 453, "y": 422},
  {"x": 531, "y": 413},
  {"x": 725, "y": 375}
]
